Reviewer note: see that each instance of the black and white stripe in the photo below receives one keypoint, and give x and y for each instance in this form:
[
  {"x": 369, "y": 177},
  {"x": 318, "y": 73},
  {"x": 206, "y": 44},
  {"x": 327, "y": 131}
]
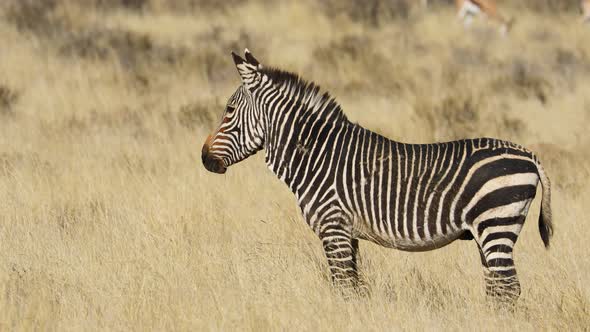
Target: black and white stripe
[{"x": 353, "y": 184}]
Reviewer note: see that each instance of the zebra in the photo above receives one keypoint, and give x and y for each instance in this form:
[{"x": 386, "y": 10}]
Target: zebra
[{"x": 353, "y": 184}]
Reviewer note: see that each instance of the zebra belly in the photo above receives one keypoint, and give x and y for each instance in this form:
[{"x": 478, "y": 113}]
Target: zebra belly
[{"x": 361, "y": 231}]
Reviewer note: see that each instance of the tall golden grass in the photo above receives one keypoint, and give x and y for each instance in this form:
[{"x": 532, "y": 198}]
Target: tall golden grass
[{"x": 108, "y": 220}]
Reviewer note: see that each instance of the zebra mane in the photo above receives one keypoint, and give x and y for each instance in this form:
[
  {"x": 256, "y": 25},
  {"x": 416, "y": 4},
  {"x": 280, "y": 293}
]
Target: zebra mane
[{"x": 311, "y": 95}]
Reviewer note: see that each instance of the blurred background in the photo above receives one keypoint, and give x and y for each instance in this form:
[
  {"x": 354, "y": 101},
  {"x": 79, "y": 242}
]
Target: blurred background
[{"x": 108, "y": 220}]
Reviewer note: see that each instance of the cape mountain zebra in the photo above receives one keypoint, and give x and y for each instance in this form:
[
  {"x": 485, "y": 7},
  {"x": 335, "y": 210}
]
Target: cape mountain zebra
[{"x": 351, "y": 183}]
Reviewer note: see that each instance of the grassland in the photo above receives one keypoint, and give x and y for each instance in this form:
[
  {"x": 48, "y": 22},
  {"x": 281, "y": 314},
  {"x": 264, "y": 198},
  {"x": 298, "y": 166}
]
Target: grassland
[{"x": 108, "y": 220}]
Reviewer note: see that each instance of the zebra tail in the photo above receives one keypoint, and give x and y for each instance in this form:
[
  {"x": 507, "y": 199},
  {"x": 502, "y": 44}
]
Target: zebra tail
[{"x": 545, "y": 216}]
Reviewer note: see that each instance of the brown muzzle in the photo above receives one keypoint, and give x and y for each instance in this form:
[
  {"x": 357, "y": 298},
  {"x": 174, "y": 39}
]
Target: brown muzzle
[{"x": 211, "y": 163}]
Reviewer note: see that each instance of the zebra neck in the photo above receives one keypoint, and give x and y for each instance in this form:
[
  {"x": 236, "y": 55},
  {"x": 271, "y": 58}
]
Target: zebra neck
[{"x": 296, "y": 143}]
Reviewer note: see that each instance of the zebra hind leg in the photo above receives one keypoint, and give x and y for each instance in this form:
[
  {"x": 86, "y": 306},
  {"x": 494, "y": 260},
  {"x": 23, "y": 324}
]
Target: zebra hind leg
[
  {"x": 496, "y": 239},
  {"x": 341, "y": 252},
  {"x": 502, "y": 287}
]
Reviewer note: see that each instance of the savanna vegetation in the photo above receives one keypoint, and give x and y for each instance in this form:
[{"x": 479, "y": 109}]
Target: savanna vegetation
[{"x": 108, "y": 220}]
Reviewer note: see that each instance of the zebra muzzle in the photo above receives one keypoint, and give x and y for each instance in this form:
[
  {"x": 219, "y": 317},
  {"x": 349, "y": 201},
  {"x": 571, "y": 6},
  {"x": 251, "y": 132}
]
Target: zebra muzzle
[
  {"x": 211, "y": 163},
  {"x": 214, "y": 165}
]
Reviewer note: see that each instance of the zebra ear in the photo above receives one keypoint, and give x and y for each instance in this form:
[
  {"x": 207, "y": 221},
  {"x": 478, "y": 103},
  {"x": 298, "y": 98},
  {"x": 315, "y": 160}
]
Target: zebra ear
[
  {"x": 248, "y": 71},
  {"x": 251, "y": 59},
  {"x": 237, "y": 59}
]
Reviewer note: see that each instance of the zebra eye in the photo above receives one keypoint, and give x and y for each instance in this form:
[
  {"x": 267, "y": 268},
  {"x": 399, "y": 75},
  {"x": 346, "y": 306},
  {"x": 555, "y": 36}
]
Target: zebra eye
[{"x": 230, "y": 109}]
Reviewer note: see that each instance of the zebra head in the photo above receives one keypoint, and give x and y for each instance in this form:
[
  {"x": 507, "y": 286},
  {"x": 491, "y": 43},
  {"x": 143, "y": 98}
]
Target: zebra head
[{"x": 240, "y": 133}]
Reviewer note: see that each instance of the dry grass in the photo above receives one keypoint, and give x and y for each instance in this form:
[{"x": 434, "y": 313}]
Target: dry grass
[{"x": 109, "y": 221}]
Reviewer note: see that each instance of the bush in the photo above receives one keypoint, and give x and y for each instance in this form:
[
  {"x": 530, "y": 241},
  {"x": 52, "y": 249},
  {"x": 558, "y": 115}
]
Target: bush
[
  {"x": 32, "y": 15},
  {"x": 7, "y": 99},
  {"x": 370, "y": 12}
]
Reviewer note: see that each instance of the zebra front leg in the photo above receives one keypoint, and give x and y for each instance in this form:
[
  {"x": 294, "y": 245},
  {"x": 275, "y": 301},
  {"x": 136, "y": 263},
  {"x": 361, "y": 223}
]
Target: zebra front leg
[
  {"x": 341, "y": 253},
  {"x": 361, "y": 286},
  {"x": 355, "y": 255}
]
